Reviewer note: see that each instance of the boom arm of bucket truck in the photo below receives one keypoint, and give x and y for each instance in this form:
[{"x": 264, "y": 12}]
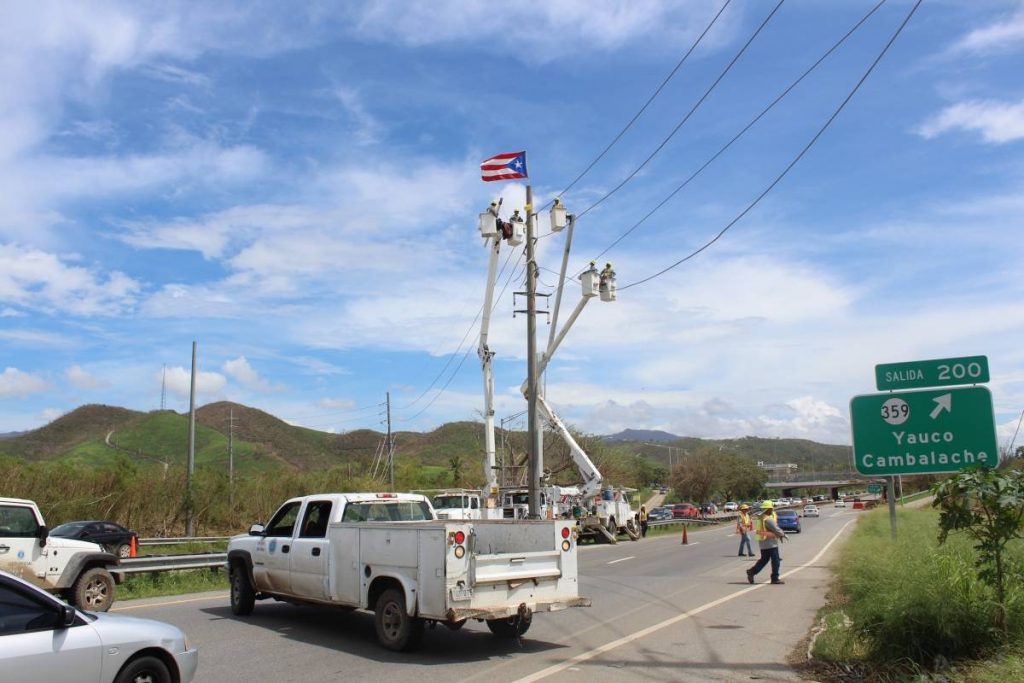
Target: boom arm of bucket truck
[{"x": 591, "y": 475}]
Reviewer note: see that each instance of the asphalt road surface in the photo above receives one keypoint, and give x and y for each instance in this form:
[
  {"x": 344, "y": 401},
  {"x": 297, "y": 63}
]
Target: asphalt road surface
[{"x": 662, "y": 611}]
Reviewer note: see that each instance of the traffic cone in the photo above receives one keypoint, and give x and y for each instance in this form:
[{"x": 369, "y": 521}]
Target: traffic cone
[
  {"x": 132, "y": 548},
  {"x": 685, "y": 541}
]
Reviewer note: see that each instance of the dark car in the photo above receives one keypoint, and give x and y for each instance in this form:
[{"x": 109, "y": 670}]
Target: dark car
[
  {"x": 788, "y": 520},
  {"x": 659, "y": 514},
  {"x": 113, "y": 537},
  {"x": 685, "y": 511}
]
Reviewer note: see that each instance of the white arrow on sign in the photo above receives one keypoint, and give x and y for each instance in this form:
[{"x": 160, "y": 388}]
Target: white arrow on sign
[{"x": 944, "y": 402}]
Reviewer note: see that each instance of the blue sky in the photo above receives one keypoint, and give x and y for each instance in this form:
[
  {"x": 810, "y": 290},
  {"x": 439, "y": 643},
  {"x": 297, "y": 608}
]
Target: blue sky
[{"x": 295, "y": 187}]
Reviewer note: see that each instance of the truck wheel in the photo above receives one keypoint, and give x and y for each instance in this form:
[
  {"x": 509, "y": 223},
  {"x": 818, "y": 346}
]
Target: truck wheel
[
  {"x": 510, "y": 627},
  {"x": 396, "y": 630},
  {"x": 243, "y": 597},
  {"x": 144, "y": 670},
  {"x": 93, "y": 591}
]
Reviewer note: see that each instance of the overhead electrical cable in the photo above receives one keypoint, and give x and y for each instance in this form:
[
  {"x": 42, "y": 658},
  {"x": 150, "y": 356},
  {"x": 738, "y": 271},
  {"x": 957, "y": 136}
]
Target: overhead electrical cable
[
  {"x": 465, "y": 355},
  {"x": 792, "y": 163},
  {"x": 454, "y": 353},
  {"x": 690, "y": 113},
  {"x": 339, "y": 411},
  {"x": 724, "y": 148},
  {"x": 650, "y": 99}
]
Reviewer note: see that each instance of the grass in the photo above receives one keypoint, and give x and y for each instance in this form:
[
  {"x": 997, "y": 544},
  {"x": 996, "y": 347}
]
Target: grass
[
  {"x": 157, "y": 584},
  {"x": 906, "y": 606}
]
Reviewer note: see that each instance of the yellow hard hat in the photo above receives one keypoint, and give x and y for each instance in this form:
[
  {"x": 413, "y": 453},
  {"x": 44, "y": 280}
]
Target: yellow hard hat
[
  {"x": 744, "y": 507},
  {"x": 767, "y": 505}
]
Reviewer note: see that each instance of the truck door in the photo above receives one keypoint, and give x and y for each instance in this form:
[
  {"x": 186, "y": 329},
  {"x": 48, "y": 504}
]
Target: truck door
[
  {"x": 20, "y": 553},
  {"x": 270, "y": 559},
  {"x": 309, "y": 552}
]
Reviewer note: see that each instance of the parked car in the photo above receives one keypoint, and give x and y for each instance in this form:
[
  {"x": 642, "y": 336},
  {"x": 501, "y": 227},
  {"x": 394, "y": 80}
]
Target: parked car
[
  {"x": 840, "y": 503},
  {"x": 685, "y": 511},
  {"x": 730, "y": 507},
  {"x": 659, "y": 514},
  {"x": 788, "y": 520},
  {"x": 811, "y": 511},
  {"x": 48, "y": 640},
  {"x": 114, "y": 538}
]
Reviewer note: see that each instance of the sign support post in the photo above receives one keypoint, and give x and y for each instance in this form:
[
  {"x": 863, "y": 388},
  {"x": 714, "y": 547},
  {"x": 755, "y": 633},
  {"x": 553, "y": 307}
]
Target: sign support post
[{"x": 892, "y": 505}]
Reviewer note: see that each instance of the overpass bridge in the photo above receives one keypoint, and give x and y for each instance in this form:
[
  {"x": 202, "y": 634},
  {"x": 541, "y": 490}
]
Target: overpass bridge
[{"x": 789, "y": 483}]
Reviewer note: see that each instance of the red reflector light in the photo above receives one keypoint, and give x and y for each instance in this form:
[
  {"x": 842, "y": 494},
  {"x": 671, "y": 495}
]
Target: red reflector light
[
  {"x": 460, "y": 537},
  {"x": 387, "y": 495},
  {"x": 565, "y": 532}
]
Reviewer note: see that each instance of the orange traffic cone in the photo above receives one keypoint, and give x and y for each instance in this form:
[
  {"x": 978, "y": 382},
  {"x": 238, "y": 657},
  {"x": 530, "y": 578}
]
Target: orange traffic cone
[
  {"x": 132, "y": 548},
  {"x": 685, "y": 541}
]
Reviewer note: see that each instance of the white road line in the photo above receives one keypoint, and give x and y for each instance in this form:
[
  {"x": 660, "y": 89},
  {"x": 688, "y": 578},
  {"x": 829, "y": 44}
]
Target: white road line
[
  {"x": 623, "y": 559},
  {"x": 643, "y": 633},
  {"x": 219, "y": 596}
]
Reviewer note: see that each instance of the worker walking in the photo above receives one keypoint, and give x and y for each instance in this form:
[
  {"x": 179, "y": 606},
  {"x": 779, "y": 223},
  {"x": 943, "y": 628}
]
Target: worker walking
[
  {"x": 768, "y": 537},
  {"x": 745, "y": 527}
]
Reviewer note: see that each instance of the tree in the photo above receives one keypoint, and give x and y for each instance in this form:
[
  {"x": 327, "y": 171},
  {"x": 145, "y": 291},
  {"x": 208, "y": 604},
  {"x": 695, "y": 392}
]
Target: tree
[
  {"x": 697, "y": 474},
  {"x": 989, "y": 506},
  {"x": 455, "y": 467},
  {"x": 740, "y": 478}
]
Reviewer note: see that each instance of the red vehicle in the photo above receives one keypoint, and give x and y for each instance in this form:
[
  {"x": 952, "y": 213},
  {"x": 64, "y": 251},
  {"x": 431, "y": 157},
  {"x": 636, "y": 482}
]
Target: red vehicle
[{"x": 685, "y": 511}]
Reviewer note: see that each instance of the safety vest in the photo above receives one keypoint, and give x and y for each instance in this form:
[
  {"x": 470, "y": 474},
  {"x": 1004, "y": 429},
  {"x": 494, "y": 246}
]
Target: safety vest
[
  {"x": 745, "y": 524},
  {"x": 763, "y": 533},
  {"x": 643, "y": 515}
]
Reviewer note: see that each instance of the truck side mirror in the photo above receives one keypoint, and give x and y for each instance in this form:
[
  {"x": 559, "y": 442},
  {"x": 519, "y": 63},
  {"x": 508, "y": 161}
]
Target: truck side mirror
[
  {"x": 42, "y": 533},
  {"x": 256, "y": 530}
]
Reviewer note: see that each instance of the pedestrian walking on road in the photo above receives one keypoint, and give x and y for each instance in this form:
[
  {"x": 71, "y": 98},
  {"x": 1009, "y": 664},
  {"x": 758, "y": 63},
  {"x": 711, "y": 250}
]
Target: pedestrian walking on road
[
  {"x": 768, "y": 537},
  {"x": 643, "y": 521},
  {"x": 745, "y": 527}
]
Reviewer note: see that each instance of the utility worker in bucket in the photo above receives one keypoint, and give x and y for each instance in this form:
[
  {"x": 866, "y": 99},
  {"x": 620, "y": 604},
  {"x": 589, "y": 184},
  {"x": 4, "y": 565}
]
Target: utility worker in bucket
[
  {"x": 745, "y": 528},
  {"x": 768, "y": 537}
]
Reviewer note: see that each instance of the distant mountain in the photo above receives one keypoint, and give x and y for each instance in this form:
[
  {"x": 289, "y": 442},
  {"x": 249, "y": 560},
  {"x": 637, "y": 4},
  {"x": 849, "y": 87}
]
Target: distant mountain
[
  {"x": 655, "y": 435},
  {"x": 10, "y": 435}
]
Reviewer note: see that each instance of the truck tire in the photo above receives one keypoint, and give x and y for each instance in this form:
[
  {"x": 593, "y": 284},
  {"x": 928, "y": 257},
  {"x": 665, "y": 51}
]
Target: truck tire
[
  {"x": 243, "y": 597},
  {"x": 396, "y": 630},
  {"x": 93, "y": 590},
  {"x": 510, "y": 627},
  {"x": 144, "y": 670}
]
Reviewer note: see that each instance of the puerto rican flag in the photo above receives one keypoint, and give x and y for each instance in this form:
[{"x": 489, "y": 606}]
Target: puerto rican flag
[{"x": 506, "y": 166}]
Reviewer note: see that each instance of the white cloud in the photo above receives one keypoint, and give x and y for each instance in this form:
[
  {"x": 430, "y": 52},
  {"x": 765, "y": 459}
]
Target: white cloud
[
  {"x": 245, "y": 374},
  {"x": 14, "y": 382},
  {"x": 367, "y": 129},
  {"x": 209, "y": 385},
  {"x": 997, "y": 122},
  {"x": 82, "y": 378},
  {"x": 1002, "y": 35},
  {"x": 336, "y": 403},
  {"x": 39, "y": 280}
]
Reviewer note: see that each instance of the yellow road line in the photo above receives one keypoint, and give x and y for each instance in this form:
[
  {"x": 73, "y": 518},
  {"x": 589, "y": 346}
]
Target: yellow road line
[{"x": 218, "y": 596}]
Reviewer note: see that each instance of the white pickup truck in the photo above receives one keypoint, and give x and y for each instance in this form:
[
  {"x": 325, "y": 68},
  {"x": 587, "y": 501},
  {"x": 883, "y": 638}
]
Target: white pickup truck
[
  {"x": 386, "y": 553},
  {"x": 78, "y": 571}
]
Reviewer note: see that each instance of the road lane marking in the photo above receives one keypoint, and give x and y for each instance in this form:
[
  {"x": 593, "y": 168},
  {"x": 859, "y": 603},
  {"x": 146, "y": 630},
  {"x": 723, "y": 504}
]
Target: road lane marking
[
  {"x": 622, "y": 559},
  {"x": 643, "y": 633},
  {"x": 219, "y": 596}
]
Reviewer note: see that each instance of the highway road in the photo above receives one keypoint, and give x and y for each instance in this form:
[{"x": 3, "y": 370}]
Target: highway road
[{"x": 662, "y": 611}]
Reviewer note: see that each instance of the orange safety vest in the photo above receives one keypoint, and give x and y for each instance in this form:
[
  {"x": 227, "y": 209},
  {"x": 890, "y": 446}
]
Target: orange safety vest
[{"x": 745, "y": 524}]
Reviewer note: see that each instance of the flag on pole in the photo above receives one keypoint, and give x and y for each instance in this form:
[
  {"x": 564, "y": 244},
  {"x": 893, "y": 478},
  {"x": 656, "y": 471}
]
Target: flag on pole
[{"x": 506, "y": 166}]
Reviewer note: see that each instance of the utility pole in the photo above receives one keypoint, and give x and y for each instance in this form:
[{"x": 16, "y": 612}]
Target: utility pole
[
  {"x": 390, "y": 447},
  {"x": 231, "y": 456},
  {"x": 536, "y": 461},
  {"x": 163, "y": 389},
  {"x": 189, "y": 504}
]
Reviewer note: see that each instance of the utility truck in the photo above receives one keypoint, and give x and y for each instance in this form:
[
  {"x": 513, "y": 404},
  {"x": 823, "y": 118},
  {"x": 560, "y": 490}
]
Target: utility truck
[
  {"x": 457, "y": 504},
  {"x": 601, "y": 511},
  {"x": 78, "y": 571},
  {"x": 386, "y": 553}
]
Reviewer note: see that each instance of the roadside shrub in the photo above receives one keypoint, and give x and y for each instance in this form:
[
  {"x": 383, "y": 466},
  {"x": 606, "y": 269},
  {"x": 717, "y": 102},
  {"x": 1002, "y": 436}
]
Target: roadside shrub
[{"x": 914, "y": 599}]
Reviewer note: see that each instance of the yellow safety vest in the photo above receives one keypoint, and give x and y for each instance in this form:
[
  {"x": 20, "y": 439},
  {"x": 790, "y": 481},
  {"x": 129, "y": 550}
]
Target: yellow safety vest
[
  {"x": 763, "y": 534},
  {"x": 745, "y": 524},
  {"x": 643, "y": 515}
]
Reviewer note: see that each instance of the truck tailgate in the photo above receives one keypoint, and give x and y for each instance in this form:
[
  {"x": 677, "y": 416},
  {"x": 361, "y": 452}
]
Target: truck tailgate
[{"x": 518, "y": 567}]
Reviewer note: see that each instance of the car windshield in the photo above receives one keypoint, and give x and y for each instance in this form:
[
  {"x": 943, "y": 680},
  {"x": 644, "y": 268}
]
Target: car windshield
[
  {"x": 68, "y": 529},
  {"x": 450, "y": 502},
  {"x": 786, "y": 513}
]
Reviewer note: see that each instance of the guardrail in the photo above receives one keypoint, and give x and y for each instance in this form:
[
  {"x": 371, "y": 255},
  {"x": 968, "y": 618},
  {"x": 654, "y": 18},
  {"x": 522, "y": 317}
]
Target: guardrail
[
  {"x": 163, "y": 563},
  {"x": 184, "y": 539}
]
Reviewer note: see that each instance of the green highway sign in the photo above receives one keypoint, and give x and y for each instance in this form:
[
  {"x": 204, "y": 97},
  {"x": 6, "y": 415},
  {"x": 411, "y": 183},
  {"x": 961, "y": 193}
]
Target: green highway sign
[
  {"x": 932, "y": 373},
  {"x": 874, "y": 488},
  {"x": 923, "y": 432}
]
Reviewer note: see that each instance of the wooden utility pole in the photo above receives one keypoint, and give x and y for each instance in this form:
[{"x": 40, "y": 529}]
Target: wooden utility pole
[
  {"x": 534, "y": 446},
  {"x": 190, "y": 523},
  {"x": 390, "y": 447}
]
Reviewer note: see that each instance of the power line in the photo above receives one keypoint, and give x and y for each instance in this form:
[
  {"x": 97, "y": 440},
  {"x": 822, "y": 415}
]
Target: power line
[
  {"x": 340, "y": 411},
  {"x": 724, "y": 148},
  {"x": 657, "y": 91},
  {"x": 1014, "y": 439},
  {"x": 690, "y": 113},
  {"x": 792, "y": 163}
]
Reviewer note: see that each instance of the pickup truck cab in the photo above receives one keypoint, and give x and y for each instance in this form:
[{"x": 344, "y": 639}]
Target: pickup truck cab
[
  {"x": 385, "y": 552},
  {"x": 78, "y": 571},
  {"x": 457, "y": 504}
]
